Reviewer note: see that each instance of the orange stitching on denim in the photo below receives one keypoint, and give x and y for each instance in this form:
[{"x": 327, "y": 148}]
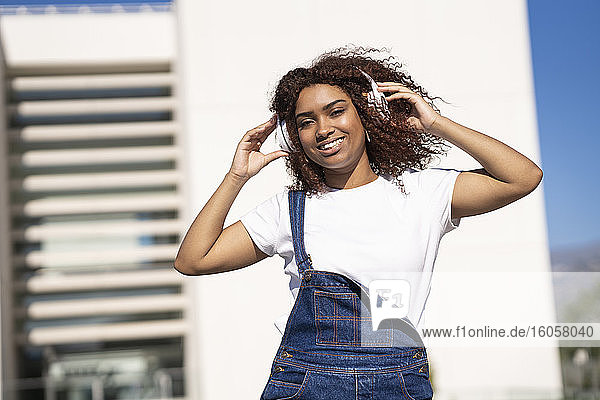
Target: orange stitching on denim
[
  {"x": 316, "y": 312},
  {"x": 343, "y": 295},
  {"x": 340, "y": 370},
  {"x": 334, "y": 322},
  {"x": 320, "y": 316},
  {"x": 351, "y": 344},
  {"x": 304, "y": 384},
  {"x": 333, "y": 286},
  {"x": 354, "y": 324},
  {"x": 403, "y": 385},
  {"x": 354, "y": 342},
  {"x": 349, "y": 355},
  {"x": 342, "y": 317},
  {"x": 282, "y": 383}
]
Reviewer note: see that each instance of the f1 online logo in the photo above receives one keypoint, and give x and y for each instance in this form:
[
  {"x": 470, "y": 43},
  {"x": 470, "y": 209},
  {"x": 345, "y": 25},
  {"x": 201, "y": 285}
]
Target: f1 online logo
[{"x": 389, "y": 299}]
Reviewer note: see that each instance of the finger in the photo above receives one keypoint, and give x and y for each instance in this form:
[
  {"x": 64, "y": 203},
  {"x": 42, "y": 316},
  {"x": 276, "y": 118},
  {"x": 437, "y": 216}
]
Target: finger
[
  {"x": 415, "y": 122},
  {"x": 394, "y": 89},
  {"x": 261, "y": 137},
  {"x": 387, "y": 83},
  {"x": 275, "y": 155},
  {"x": 269, "y": 123},
  {"x": 401, "y": 95},
  {"x": 410, "y": 97},
  {"x": 395, "y": 85},
  {"x": 263, "y": 133},
  {"x": 260, "y": 132}
]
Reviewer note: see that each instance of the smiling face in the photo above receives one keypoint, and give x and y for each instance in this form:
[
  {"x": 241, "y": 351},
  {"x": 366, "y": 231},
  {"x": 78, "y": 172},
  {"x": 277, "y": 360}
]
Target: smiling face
[{"x": 325, "y": 114}]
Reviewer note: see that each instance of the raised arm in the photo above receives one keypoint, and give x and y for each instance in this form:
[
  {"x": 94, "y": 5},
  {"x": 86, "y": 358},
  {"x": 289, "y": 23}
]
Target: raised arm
[
  {"x": 207, "y": 248},
  {"x": 507, "y": 175}
]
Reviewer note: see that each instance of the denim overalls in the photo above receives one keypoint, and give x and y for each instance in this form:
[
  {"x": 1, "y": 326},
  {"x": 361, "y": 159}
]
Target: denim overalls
[{"x": 329, "y": 349}]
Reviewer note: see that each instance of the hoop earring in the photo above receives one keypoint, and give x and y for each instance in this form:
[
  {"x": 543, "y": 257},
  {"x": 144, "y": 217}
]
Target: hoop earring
[{"x": 367, "y": 134}]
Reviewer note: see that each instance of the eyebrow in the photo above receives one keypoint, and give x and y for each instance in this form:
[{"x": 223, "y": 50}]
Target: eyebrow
[{"x": 324, "y": 108}]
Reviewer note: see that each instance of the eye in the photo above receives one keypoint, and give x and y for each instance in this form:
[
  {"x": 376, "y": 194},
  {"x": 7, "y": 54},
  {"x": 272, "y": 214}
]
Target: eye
[
  {"x": 304, "y": 123},
  {"x": 337, "y": 111}
]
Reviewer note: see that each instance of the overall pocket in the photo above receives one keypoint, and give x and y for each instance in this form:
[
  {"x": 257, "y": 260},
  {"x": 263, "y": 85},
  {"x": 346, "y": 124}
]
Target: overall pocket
[
  {"x": 337, "y": 318},
  {"x": 286, "y": 382},
  {"x": 342, "y": 320}
]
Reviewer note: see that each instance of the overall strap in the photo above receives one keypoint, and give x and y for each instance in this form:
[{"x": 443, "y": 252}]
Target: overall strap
[{"x": 296, "y": 199}]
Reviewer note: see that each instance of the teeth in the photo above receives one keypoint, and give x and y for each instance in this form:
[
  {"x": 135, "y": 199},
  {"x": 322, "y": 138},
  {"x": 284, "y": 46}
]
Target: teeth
[{"x": 332, "y": 144}]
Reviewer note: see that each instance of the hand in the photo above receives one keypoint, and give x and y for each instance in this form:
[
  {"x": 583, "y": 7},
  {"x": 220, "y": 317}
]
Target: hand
[
  {"x": 248, "y": 159},
  {"x": 421, "y": 116}
]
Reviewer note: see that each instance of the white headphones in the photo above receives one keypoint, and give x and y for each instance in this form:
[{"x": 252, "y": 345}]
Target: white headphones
[{"x": 375, "y": 98}]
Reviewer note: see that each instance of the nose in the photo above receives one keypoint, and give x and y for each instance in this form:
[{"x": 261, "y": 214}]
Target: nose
[{"x": 324, "y": 131}]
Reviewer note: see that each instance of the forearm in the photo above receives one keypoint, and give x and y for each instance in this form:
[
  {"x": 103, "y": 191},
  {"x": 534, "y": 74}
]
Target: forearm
[
  {"x": 498, "y": 159},
  {"x": 208, "y": 224}
]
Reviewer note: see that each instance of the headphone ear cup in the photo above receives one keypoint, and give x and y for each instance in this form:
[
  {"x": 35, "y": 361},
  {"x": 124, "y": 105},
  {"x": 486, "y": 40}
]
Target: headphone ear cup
[
  {"x": 281, "y": 136},
  {"x": 376, "y": 98},
  {"x": 385, "y": 109}
]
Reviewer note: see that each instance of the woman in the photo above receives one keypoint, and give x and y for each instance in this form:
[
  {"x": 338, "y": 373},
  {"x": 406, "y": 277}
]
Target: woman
[{"x": 362, "y": 207}]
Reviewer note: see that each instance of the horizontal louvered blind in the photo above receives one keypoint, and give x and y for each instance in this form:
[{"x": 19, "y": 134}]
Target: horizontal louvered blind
[{"x": 95, "y": 205}]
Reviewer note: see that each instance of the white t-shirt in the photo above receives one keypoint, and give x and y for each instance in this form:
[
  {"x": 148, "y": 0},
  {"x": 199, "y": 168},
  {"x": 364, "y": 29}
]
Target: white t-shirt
[{"x": 373, "y": 231}]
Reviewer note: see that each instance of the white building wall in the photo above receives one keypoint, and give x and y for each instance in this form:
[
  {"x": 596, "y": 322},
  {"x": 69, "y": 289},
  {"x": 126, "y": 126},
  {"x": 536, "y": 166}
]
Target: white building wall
[
  {"x": 473, "y": 54},
  {"x": 88, "y": 38}
]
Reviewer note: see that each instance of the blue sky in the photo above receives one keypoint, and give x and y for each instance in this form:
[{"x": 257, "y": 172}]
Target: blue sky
[{"x": 565, "y": 43}]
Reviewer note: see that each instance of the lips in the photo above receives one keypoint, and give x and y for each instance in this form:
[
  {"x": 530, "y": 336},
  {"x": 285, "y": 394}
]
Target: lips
[{"x": 334, "y": 149}]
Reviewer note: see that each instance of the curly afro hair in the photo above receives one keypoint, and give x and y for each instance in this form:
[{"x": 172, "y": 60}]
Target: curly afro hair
[{"x": 394, "y": 146}]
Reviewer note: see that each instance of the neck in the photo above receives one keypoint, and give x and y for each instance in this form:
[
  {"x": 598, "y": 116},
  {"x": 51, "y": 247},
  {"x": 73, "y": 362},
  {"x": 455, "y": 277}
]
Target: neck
[{"x": 360, "y": 175}]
